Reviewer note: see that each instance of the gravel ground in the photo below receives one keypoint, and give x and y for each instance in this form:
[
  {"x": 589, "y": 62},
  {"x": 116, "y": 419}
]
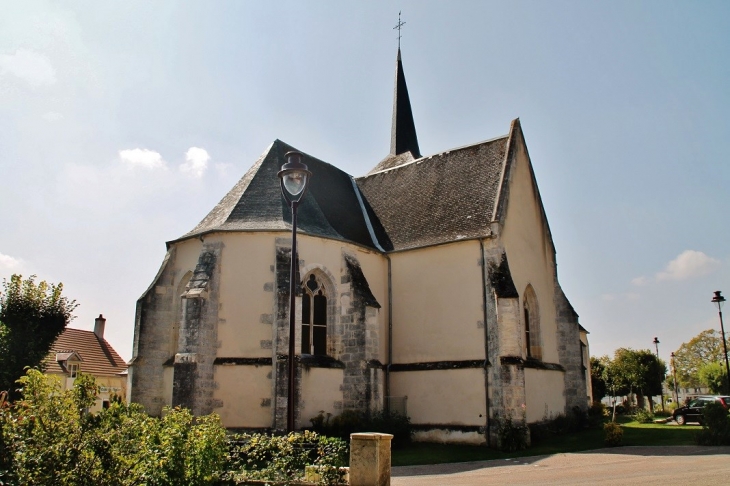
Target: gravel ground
[{"x": 675, "y": 466}]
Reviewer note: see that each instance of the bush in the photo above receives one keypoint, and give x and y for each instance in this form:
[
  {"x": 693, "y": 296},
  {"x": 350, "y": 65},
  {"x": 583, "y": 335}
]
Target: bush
[
  {"x": 48, "y": 438},
  {"x": 282, "y": 459},
  {"x": 513, "y": 436},
  {"x": 597, "y": 413},
  {"x": 564, "y": 424},
  {"x": 643, "y": 416},
  {"x": 715, "y": 426},
  {"x": 613, "y": 434},
  {"x": 350, "y": 421}
]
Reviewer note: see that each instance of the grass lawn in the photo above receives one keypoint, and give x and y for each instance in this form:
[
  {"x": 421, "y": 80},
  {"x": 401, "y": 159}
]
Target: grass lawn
[{"x": 635, "y": 434}]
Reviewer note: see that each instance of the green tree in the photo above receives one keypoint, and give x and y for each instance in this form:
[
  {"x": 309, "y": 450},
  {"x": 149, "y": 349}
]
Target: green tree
[
  {"x": 702, "y": 349},
  {"x": 32, "y": 316},
  {"x": 613, "y": 377},
  {"x": 714, "y": 376},
  {"x": 641, "y": 372}
]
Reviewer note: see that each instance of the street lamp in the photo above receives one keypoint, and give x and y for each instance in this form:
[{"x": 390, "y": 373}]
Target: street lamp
[
  {"x": 661, "y": 378},
  {"x": 719, "y": 299},
  {"x": 294, "y": 177},
  {"x": 674, "y": 375}
]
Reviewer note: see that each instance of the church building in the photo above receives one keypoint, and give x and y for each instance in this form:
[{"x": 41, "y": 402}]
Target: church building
[{"x": 427, "y": 286}]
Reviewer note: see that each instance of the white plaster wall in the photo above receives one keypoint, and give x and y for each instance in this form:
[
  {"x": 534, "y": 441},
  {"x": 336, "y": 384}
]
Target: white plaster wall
[
  {"x": 167, "y": 378},
  {"x": 437, "y": 304},
  {"x": 242, "y": 389},
  {"x": 544, "y": 394},
  {"x": 320, "y": 391},
  {"x": 245, "y": 306},
  {"x": 245, "y": 267},
  {"x": 529, "y": 252},
  {"x": 453, "y": 397},
  {"x": 510, "y": 338}
]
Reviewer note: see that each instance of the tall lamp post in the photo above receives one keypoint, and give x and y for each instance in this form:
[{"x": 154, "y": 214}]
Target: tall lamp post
[
  {"x": 718, "y": 299},
  {"x": 294, "y": 177},
  {"x": 661, "y": 378},
  {"x": 674, "y": 376}
]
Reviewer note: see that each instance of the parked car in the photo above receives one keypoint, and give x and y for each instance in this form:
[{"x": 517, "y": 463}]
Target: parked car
[{"x": 692, "y": 412}]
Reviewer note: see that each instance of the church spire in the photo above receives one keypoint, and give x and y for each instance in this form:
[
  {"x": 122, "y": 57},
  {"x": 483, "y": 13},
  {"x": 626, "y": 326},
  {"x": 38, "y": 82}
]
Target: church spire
[{"x": 403, "y": 132}]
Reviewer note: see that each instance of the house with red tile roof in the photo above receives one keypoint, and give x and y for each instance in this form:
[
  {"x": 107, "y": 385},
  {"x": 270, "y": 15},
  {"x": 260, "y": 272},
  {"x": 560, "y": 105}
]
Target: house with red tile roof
[{"x": 79, "y": 351}]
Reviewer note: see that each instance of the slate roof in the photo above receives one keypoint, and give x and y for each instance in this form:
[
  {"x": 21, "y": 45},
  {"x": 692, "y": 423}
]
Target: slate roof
[
  {"x": 331, "y": 208},
  {"x": 440, "y": 198},
  {"x": 98, "y": 358}
]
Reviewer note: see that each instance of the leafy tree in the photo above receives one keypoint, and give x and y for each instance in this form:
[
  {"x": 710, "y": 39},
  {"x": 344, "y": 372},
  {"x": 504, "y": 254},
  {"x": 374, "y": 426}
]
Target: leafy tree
[
  {"x": 613, "y": 377},
  {"x": 598, "y": 383},
  {"x": 643, "y": 372},
  {"x": 32, "y": 316},
  {"x": 702, "y": 349},
  {"x": 714, "y": 375},
  {"x": 639, "y": 372}
]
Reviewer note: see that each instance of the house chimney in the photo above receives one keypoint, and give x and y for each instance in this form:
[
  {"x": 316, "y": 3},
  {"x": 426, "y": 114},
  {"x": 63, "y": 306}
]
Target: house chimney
[{"x": 99, "y": 324}]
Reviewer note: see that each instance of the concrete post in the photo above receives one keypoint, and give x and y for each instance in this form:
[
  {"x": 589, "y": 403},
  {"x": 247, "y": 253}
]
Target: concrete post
[{"x": 370, "y": 459}]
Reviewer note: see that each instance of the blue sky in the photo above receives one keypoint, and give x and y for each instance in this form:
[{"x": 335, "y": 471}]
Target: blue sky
[{"x": 123, "y": 124}]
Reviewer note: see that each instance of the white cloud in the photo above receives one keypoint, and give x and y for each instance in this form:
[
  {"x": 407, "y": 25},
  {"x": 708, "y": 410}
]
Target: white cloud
[
  {"x": 29, "y": 66},
  {"x": 144, "y": 158},
  {"x": 689, "y": 264},
  {"x": 52, "y": 116},
  {"x": 196, "y": 162},
  {"x": 8, "y": 263}
]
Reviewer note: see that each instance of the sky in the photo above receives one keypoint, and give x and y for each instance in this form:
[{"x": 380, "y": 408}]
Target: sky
[{"x": 122, "y": 124}]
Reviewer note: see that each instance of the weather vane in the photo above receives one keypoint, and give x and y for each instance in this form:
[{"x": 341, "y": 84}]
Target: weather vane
[{"x": 400, "y": 24}]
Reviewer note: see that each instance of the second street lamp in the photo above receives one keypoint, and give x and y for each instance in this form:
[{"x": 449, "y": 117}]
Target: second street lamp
[
  {"x": 718, "y": 300},
  {"x": 294, "y": 177},
  {"x": 661, "y": 378},
  {"x": 674, "y": 378}
]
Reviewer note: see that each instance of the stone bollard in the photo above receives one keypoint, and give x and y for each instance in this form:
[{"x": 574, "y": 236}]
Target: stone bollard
[{"x": 370, "y": 459}]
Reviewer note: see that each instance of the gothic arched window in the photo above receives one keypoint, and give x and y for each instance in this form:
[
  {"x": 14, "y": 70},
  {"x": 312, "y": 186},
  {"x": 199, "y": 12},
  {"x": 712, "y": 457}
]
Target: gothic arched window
[
  {"x": 314, "y": 317},
  {"x": 533, "y": 344}
]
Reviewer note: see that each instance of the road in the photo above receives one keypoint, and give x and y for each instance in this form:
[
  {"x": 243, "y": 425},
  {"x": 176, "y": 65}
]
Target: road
[{"x": 675, "y": 466}]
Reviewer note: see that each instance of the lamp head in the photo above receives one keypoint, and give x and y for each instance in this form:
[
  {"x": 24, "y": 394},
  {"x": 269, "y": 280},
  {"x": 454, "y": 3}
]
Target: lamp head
[
  {"x": 718, "y": 299},
  {"x": 294, "y": 176},
  {"x": 656, "y": 340}
]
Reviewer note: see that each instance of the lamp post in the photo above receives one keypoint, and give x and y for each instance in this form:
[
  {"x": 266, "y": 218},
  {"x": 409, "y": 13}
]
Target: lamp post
[
  {"x": 674, "y": 375},
  {"x": 718, "y": 299},
  {"x": 661, "y": 378},
  {"x": 294, "y": 177}
]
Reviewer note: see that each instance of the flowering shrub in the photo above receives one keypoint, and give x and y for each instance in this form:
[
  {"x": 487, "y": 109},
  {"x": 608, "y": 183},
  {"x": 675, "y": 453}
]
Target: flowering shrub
[
  {"x": 282, "y": 459},
  {"x": 48, "y": 438}
]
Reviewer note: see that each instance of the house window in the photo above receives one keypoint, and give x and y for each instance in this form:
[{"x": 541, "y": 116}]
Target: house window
[
  {"x": 73, "y": 370},
  {"x": 314, "y": 317},
  {"x": 533, "y": 343}
]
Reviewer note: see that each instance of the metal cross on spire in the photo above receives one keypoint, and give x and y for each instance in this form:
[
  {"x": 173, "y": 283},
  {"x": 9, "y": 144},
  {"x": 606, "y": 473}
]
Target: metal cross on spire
[{"x": 400, "y": 24}]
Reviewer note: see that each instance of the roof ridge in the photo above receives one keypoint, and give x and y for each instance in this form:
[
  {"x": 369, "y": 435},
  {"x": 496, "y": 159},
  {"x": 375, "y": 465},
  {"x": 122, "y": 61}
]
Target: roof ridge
[{"x": 426, "y": 157}]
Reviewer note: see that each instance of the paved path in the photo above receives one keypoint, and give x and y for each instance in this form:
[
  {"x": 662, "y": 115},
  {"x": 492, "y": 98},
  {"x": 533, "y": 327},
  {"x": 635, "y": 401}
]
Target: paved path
[{"x": 675, "y": 466}]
